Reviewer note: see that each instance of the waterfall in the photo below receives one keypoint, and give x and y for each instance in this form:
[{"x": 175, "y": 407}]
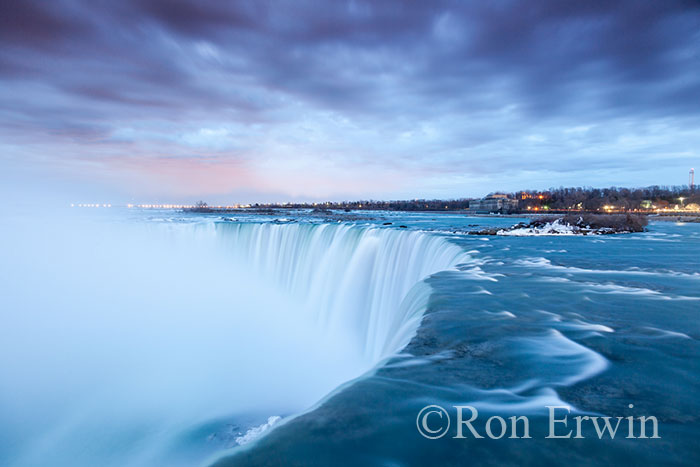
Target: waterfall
[
  {"x": 128, "y": 342},
  {"x": 363, "y": 279}
]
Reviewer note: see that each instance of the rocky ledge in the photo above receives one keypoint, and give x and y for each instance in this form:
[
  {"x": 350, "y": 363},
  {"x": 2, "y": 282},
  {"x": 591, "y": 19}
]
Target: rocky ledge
[{"x": 584, "y": 224}]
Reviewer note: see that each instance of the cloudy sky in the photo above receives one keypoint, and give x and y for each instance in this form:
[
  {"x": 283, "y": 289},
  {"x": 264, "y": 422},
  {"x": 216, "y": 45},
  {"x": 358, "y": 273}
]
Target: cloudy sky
[{"x": 176, "y": 100}]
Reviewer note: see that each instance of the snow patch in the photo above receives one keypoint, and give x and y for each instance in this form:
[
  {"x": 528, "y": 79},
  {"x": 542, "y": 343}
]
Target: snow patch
[{"x": 550, "y": 228}]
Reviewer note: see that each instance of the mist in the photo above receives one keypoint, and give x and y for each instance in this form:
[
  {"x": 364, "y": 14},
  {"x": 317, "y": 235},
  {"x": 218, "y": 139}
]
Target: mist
[
  {"x": 120, "y": 333},
  {"x": 155, "y": 337}
]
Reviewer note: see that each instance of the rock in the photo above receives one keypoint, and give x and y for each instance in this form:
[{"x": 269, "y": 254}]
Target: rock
[
  {"x": 570, "y": 225},
  {"x": 484, "y": 232}
]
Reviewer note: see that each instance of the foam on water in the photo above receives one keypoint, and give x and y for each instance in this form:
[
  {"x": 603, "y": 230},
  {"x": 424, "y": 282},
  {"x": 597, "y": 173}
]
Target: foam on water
[
  {"x": 568, "y": 362},
  {"x": 664, "y": 333},
  {"x": 547, "y": 264},
  {"x": 256, "y": 432}
]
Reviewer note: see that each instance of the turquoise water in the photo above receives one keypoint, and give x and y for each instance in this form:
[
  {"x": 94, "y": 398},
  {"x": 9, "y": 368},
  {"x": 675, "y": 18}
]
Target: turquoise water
[
  {"x": 164, "y": 338},
  {"x": 595, "y": 323}
]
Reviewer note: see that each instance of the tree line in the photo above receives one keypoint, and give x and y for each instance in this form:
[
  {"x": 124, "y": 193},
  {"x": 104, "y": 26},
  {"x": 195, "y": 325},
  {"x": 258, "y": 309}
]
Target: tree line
[
  {"x": 554, "y": 199},
  {"x": 597, "y": 199}
]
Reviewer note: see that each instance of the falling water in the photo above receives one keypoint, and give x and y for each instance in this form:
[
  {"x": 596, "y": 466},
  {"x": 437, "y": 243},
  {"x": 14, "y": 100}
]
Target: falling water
[
  {"x": 352, "y": 278},
  {"x": 121, "y": 340}
]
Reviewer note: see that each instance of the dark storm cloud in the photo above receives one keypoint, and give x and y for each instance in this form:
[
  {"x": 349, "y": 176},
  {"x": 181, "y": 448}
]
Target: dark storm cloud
[
  {"x": 37, "y": 24},
  {"x": 422, "y": 82},
  {"x": 639, "y": 54},
  {"x": 547, "y": 51}
]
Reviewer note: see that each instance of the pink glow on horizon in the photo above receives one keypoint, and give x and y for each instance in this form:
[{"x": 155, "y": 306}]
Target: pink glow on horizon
[
  {"x": 225, "y": 178},
  {"x": 180, "y": 176}
]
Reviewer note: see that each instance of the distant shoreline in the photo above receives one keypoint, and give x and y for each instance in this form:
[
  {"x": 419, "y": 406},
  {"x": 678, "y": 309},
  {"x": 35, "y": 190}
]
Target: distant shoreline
[{"x": 662, "y": 217}]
